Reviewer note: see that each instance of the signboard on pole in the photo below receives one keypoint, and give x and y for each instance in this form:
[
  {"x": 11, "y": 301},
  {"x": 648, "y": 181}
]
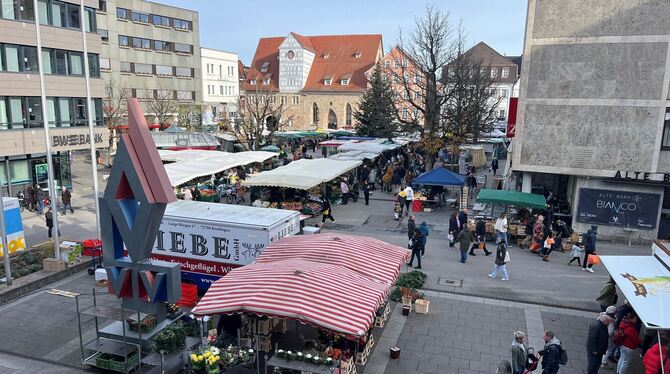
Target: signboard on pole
[
  {"x": 13, "y": 226},
  {"x": 618, "y": 208}
]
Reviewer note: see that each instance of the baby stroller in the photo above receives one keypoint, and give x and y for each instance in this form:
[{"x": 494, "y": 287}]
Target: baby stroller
[{"x": 532, "y": 361}]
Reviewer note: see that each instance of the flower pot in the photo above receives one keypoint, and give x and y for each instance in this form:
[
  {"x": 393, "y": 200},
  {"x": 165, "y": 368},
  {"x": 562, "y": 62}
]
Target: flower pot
[
  {"x": 406, "y": 309},
  {"x": 395, "y": 352}
]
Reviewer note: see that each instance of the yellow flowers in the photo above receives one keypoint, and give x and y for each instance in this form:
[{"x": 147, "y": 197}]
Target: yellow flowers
[{"x": 209, "y": 358}]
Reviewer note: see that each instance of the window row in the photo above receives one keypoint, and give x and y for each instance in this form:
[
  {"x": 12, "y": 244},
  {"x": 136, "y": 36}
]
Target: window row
[
  {"x": 212, "y": 70},
  {"x": 148, "y": 94},
  {"x": 161, "y": 70},
  {"x": 21, "y": 58},
  {"x": 26, "y": 112},
  {"x": 51, "y": 12},
  {"x": 154, "y": 19},
  {"x": 156, "y": 45},
  {"x": 223, "y": 90}
]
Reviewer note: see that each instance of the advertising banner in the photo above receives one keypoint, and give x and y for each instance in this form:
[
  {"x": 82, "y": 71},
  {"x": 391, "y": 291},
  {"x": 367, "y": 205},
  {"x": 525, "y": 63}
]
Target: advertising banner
[
  {"x": 618, "y": 208},
  {"x": 13, "y": 226}
]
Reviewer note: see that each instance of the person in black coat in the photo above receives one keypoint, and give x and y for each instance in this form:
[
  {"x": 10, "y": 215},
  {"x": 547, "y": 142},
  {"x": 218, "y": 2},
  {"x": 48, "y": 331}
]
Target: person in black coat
[
  {"x": 494, "y": 166},
  {"x": 462, "y": 219},
  {"x": 480, "y": 236},
  {"x": 417, "y": 248},
  {"x": 366, "y": 191},
  {"x": 596, "y": 342},
  {"x": 551, "y": 354},
  {"x": 411, "y": 227},
  {"x": 453, "y": 228}
]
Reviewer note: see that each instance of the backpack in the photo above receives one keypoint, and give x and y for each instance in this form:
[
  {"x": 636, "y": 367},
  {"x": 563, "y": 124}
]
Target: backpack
[
  {"x": 618, "y": 337},
  {"x": 562, "y": 355}
]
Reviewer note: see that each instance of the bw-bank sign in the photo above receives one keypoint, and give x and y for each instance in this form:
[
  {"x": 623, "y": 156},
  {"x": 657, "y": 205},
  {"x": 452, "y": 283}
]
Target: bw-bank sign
[
  {"x": 618, "y": 208},
  {"x": 74, "y": 140}
]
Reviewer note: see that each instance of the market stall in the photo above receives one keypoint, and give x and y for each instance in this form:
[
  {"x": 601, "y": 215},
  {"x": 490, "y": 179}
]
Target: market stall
[
  {"x": 645, "y": 283},
  {"x": 488, "y": 199},
  {"x": 436, "y": 179},
  {"x": 354, "y": 156},
  {"x": 375, "y": 146}
]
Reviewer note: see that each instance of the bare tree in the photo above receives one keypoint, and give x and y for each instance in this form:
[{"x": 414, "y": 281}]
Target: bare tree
[
  {"x": 190, "y": 117},
  {"x": 261, "y": 112},
  {"x": 115, "y": 110},
  {"x": 162, "y": 104}
]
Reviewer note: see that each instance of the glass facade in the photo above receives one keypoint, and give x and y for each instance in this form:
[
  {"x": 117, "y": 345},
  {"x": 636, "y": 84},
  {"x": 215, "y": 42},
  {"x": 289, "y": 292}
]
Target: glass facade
[
  {"x": 21, "y": 58},
  {"x": 26, "y": 112},
  {"x": 51, "y": 12}
]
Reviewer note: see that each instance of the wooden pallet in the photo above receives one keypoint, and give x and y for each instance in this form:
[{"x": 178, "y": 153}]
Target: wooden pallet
[
  {"x": 362, "y": 357},
  {"x": 57, "y": 292}
]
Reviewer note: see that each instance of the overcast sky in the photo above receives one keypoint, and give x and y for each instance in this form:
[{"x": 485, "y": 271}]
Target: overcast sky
[{"x": 236, "y": 26}]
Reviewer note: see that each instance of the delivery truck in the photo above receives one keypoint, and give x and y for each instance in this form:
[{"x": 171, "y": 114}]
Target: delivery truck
[{"x": 209, "y": 240}]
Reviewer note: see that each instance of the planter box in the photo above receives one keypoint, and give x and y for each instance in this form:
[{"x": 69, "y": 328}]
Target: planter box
[
  {"x": 53, "y": 264},
  {"x": 421, "y": 306}
]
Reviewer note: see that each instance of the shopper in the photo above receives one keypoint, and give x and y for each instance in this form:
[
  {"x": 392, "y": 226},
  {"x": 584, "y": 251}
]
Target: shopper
[
  {"x": 344, "y": 188},
  {"x": 551, "y": 353},
  {"x": 519, "y": 354},
  {"x": 611, "y": 347},
  {"x": 608, "y": 295},
  {"x": 575, "y": 253},
  {"x": 548, "y": 246},
  {"x": 494, "y": 166},
  {"x": 453, "y": 229},
  {"x": 366, "y": 191},
  {"x": 409, "y": 197},
  {"x": 631, "y": 340},
  {"x": 402, "y": 197},
  {"x": 326, "y": 211},
  {"x": 66, "y": 199},
  {"x": 465, "y": 238},
  {"x": 417, "y": 248},
  {"x": 590, "y": 240},
  {"x": 411, "y": 227},
  {"x": 425, "y": 232},
  {"x": 528, "y": 230},
  {"x": 50, "y": 222},
  {"x": 596, "y": 343},
  {"x": 462, "y": 219},
  {"x": 500, "y": 262},
  {"x": 538, "y": 232},
  {"x": 39, "y": 198},
  {"x": 657, "y": 353},
  {"x": 501, "y": 228}
]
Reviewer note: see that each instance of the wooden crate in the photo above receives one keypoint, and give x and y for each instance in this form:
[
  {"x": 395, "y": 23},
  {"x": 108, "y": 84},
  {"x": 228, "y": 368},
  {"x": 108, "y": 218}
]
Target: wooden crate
[{"x": 421, "y": 306}]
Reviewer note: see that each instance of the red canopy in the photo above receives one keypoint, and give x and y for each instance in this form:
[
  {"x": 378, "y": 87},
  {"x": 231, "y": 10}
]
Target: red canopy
[
  {"x": 324, "y": 295},
  {"x": 370, "y": 257}
]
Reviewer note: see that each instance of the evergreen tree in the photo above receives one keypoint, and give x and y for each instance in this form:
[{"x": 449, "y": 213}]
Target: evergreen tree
[{"x": 376, "y": 114}]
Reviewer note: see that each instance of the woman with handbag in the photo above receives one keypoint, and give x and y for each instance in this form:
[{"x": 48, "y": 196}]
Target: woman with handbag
[{"x": 502, "y": 258}]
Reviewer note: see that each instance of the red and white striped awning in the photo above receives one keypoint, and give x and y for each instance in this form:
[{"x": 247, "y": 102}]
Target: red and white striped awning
[
  {"x": 324, "y": 295},
  {"x": 370, "y": 257}
]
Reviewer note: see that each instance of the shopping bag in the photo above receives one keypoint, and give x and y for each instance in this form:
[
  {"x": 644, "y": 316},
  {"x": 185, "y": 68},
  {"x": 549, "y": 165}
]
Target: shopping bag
[
  {"x": 450, "y": 237},
  {"x": 594, "y": 259},
  {"x": 534, "y": 247},
  {"x": 482, "y": 245},
  {"x": 507, "y": 259}
]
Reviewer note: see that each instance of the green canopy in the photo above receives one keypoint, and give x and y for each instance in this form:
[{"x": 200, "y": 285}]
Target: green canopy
[{"x": 529, "y": 200}]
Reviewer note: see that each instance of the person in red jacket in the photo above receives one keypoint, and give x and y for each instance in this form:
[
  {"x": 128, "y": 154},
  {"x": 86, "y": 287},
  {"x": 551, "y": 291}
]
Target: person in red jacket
[
  {"x": 630, "y": 342},
  {"x": 652, "y": 359}
]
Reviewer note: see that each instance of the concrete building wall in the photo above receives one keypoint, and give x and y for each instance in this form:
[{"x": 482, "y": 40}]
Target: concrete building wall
[{"x": 126, "y": 27}]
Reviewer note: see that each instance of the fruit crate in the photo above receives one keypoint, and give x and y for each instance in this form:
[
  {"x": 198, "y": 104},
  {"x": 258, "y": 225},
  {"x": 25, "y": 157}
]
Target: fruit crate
[{"x": 113, "y": 363}]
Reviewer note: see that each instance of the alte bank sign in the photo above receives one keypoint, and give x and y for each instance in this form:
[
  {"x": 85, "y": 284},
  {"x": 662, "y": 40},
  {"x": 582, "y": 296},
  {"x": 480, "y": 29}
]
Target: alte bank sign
[{"x": 642, "y": 176}]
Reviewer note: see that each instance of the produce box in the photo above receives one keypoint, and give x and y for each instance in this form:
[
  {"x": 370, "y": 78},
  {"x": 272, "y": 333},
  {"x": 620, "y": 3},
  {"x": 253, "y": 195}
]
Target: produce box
[{"x": 421, "y": 306}]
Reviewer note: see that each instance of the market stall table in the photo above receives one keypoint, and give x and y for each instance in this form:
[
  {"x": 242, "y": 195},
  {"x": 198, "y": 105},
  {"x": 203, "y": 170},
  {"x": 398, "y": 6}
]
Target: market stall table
[{"x": 300, "y": 366}]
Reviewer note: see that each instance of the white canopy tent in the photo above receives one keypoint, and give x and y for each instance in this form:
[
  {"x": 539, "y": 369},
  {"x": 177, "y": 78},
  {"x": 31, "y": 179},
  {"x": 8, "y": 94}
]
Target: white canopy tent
[
  {"x": 302, "y": 174},
  {"x": 354, "y": 155},
  {"x": 191, "y": 164},
  {"x": 645, "y": 282},
  {"x": 375, "y": 146}
]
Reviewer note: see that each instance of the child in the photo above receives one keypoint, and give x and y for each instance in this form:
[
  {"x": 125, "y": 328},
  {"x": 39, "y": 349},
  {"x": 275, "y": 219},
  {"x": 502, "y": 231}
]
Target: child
[
  {"x": 548, "y": 246},
  {"x": 575, "y": 254}
]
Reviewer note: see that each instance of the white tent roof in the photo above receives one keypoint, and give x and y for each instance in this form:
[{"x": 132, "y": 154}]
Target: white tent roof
[
  {"x": 302, "y": 174},
  {"x": 374, "y": 146},
  {"x": 354, "y": 155},
  {"x": 191, "y": 164},
  {"x": 645, "y": 282}
]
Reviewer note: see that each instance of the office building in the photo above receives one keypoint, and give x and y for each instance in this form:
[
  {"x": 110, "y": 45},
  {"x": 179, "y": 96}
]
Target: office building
[{"x": 220, "y": 86}]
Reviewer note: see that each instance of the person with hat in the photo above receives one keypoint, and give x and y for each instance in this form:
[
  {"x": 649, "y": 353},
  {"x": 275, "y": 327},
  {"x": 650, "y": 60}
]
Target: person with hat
[{"x": 590, "y": 247}]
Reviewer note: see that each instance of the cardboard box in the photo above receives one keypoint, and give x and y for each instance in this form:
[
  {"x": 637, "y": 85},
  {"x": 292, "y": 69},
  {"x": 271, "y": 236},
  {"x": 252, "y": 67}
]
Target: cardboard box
[{"x": 53, "y": 264}]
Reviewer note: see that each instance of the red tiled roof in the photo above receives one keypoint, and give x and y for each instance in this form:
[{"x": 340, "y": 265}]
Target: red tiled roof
[
  {"x": 340, "y": 61},
  {"x": 241, "y": 70}
]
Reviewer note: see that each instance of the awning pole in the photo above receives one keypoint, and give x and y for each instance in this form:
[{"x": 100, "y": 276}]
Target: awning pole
[{"x": 660, "y": 350}]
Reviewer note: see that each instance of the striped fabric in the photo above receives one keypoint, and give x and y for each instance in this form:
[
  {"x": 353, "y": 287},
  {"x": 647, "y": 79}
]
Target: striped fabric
[
  {"x": 370, "y": 257},
  {"x": 319, "y": 294}
]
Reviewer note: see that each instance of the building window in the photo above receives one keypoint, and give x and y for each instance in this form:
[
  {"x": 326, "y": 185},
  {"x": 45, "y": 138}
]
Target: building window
[
  {"x": 252, "y": 81},
  {"x": 76, "y": 63},
  {"x": 348, "y": 115},
  {"x": 396, "y": 63},
  {"x": 221, "y": 90},
  {"x": 327, "y": 81},
  {"x": 417, "y": 95},
  {"x": 102, "y": 5},
  {"x": 58, "y": 14},
  {"x": 494, "y": 72},
  {"x": 266, "y": 81},
  {"x": 296, "y": 100},
  {"x": 404, "y": 63},
  {"x": 126, "y": 67},
  {"x": 416, "y": 113},
  {"x": 505, "y": 72},
  {"x": 501, "y": 113},
  {"x": 163, "y": 70},
  {"x": 139, "y": 17},
  {"x": 141, "y": 43},
  {"x": 344, "y": 82},
  {"x": 105, "y": 64},
  {"x": 405, "y": 113},
  {"x": 104, "y": 35},
  {"x": 181, "y": 24},
  {"x": 184, "y": 72},
  {"x": 183, "y": 48},
  {"x": 665, "y": 142},
  {"x": 29, "y": 59},
  {"x": 185, "y": 96},
  {"x": 503, "y": 92},
  {"x": 47, "y": 60},
  {"x": 73, "y": 16},
  {"x": 122, "y": 13},
  {"x": 387, "y": 64},
  {"x": 143, "y": 68},
  {"x": 62, "y": 66},
  {"x": 315, "y": 113},
  {"x": 89, "y": 19},
  {"x": 93, "y": 65},
  {"x": 123, "y": 41},
  {"x": 160, "y": 20}
]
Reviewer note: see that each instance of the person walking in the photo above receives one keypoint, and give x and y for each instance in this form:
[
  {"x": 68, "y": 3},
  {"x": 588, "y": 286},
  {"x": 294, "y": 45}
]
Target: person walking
[
  {"x": 519, "y": 354},
  {"x": 344, "y": 188},
  {"x": 401, "y": 198},
  {"x": 501, "y": 262},
  {"x": 501, "y": 228},
  {"x": 548, "y": 246},
  {"x": 528, "y": 231},
  {"x": 596, "y": 342},
  {"x": 327, "y": 211},
  {"x": 590, "y": 240},
  {"x": 411, "y": 227},
  {"x": 39, "y": 199},
  {"x": 608, "y": 295},
  {"x": 551, "y": 353},
  {"x": 480, "y": 238},
  {"x": 631, "y": 340},
  {"x": 49, "y": 216},
  {"x": 409, "y": 197},
  {"x": 425, "y": 232},
  {"x": 575, "y": 254},
  {"x": 465, "y": 238},
  {"x": 538, "y": 232},
  {"x": 66, "y": 198},
  {"x": 453, "y": 229},
  {"x": 417, "y": 248},
  {"x": 494, "y": 166},
  {"x": 462, "y": 219},
  {"x": 366, "y": 191},
  {"x": 187, "y": 194}
]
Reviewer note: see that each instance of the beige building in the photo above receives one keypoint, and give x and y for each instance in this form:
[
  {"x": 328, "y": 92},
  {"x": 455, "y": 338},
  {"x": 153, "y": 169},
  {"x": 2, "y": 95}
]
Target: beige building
[
  {"x": 151, "y": 50},
  {"x": 22, "y": 148},
  {"x": 320, "y": 79}
]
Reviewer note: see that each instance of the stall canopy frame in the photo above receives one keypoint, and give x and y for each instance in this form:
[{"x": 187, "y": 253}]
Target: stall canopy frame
[{"x": 302, "y": 174}]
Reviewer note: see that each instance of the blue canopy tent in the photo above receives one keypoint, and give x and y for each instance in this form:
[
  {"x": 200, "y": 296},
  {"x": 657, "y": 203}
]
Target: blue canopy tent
[{"x": 440, "y": 177}]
